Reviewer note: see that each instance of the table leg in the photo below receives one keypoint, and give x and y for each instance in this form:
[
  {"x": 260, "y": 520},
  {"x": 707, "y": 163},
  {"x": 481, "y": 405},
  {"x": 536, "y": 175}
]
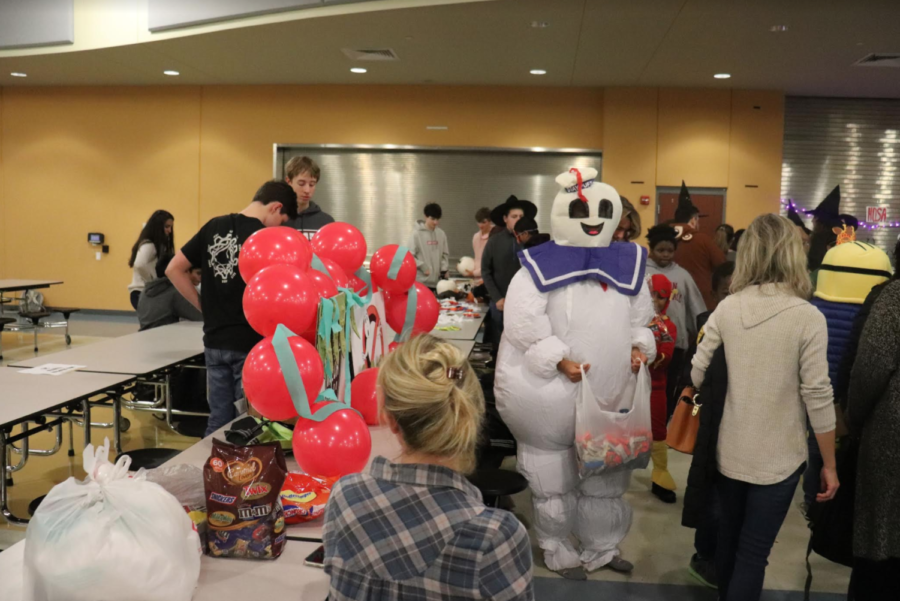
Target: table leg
[
  {"x": 167, "y": 390},
  {"x": 86, "y": 415},
  {"x": 117, "y": 422},
  {"x": 4, "y": 499}
]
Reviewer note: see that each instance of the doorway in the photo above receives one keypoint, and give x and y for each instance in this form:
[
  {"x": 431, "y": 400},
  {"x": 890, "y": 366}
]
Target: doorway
[{"x": 710, "y": 201}]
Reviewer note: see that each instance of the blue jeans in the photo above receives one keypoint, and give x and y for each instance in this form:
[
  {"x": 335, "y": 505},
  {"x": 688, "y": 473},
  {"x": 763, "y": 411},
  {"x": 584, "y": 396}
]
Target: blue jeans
[
  {"x": 813, "y": 474},
  {"x": 752, "y": 515},
  {"x": 224, "y": 386}
]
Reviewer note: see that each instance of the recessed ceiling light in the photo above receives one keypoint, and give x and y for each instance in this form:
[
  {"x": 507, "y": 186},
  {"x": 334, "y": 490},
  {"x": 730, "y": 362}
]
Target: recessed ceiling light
[
  {"x": 722, "y": 75},
  {"x": 540, "y": 24},
  {"x": 171, "y": 73},
  {"x": 18, "y": 74},
  {"x": 358, "y": 70},
  {"x": 778, "y": 28},
  {"x": 538, "y": 72}
]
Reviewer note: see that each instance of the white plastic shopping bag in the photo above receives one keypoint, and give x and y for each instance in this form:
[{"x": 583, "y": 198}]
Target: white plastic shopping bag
[
  {"x": 112, "y": 537},
  {"x": 607, "y": 439}
]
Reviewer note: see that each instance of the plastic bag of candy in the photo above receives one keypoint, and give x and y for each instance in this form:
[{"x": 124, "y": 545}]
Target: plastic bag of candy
[
  {"x": 608, "y": 440},
  {"x": 304, "y": 497}
]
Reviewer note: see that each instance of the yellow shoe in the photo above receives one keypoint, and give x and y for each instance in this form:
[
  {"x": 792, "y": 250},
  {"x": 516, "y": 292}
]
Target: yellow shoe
[{"x": 659, "y": 453}]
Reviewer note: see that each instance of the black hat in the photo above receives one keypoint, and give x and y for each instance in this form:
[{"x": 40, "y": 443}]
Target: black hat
[
  {"x": 829, "y": 210},
  {"x": 501, "y": 211},
  {"x": 276, "y": 191},
  {"x": 526, "y": 224},
  {"x": 795, "y": 218},
  {"x": 686, "y": 209}
]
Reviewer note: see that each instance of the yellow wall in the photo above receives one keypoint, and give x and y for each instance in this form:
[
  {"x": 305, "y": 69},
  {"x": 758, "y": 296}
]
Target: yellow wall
[{"x": 79, "y": 160}]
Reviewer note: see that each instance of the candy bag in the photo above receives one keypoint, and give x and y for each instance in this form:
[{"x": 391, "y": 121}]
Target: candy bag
[{"x": 304, "y": 497}]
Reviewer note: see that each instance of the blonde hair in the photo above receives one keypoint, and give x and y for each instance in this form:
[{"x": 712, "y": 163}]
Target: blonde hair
[
  {"x": 432, "y": 393},
  {"x": 771, "y": 252}
]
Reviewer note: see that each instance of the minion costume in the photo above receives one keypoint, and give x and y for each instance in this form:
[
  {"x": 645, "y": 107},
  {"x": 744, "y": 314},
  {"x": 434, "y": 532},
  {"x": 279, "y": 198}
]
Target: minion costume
[{"x": 848, "y": 273}]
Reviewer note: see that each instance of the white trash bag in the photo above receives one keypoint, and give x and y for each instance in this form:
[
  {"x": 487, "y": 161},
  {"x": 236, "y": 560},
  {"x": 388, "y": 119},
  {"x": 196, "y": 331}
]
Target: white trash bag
[
  {"x": 613, "y": 434},
  {"x": 111, "y": 537}
]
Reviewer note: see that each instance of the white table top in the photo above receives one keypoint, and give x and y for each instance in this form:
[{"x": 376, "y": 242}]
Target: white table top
[
  {"x": 383, "y": 443},
  {"x": 18, "y": 285},
  {"x": 220, "y": 579},
  {"x": 468, "y": 329},
  {"x": 25, "y": 395},
  {"x": 135, "y": 354},
  {"x": 465, "y": 346}
]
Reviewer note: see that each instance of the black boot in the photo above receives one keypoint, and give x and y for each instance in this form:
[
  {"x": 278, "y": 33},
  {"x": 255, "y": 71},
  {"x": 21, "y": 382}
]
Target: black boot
[{"x": 664, "y": 495}]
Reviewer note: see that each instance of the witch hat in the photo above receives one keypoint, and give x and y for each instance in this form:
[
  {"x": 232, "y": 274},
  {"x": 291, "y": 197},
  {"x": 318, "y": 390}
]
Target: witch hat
[
  {"x": 829, "y": 209},
  {"x": 686, "y": 209},
  {"x": 795, "y": 218}
]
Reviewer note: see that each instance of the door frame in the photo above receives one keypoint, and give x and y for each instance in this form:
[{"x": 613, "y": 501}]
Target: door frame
[{"x": 723, "y": 192}]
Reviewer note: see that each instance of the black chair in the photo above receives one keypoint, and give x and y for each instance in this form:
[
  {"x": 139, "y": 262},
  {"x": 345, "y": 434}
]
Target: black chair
[
  {"x": 35, "y": 318},
  {"x": 66, "y": 313},
  {"x": 149, "y": 458},
  {"x": 495, "y": 484},
  {"x": 3, "y": 322}
]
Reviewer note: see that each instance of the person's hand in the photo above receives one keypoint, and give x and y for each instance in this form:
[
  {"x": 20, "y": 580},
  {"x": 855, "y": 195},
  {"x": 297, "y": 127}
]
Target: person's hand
[
  {"x": 445, "y": 275},
  {"x": 572, "y": 370},
  {"x": 501, "y": 303},
  {"x": 829, "y": 484},
  {"x": 427, "y": 272},
  {"x": 637, "y": 359}
]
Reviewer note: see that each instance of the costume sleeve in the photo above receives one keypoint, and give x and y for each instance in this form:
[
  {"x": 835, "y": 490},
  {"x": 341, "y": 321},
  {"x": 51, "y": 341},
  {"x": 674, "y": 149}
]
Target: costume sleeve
[
  {"x": 487, "y": 270},
  {"x": 815, "y": 385},
  {"x": 505, "y": 569},
  {"x": 445, "y": 253},
  {"x": 879, "y": 356},
  {"x": 642, "y": 313},
  {"x": 712, "y": 338},
  {"x": 527, "y": 326},
  {"x": 693, "y": 304},
  {"x": 665, "y": 350}
]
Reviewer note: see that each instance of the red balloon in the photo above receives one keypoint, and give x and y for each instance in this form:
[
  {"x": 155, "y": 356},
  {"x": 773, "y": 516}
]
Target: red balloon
[
  {"x": 343, "y": 244},
  {"x": 338, "y": 275},
  {"x": 363, "y": 397},
  {"x": 427, "y": 310},
  {"x": 357, "y": 284},
  {"x": 280, "y": 294},
  {"x": 326, "y": 289},
  {"x": 274, "y": 246},
  {"x": 264, "y": 382},
  {"x": 393, "y": 347},
  {"x": 337, "y": 446},
  {"x": 380, "y": 265}
]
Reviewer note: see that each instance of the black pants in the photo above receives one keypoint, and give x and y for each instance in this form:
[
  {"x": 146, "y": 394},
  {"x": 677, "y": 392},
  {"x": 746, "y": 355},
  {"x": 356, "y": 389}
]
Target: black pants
[
  {"x": 875, "y": 580},
  {"x": 706, "y": 537},
  {"x": 674, "y": 385},
  {"x": 134, "y": 298}
]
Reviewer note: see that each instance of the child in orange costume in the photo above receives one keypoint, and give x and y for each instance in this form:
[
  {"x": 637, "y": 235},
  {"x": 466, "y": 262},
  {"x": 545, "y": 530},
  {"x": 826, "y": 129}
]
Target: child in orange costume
[{"x": 665, "y": 334}]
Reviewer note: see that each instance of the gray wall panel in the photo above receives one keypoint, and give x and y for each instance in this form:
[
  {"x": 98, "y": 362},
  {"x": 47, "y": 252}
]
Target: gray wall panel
[
  {"x": 847, "y": 141},
  {"x": 383, "y": 192},
  {"x": 25, "y": 23},
  {"x": 172, "y": 14}
]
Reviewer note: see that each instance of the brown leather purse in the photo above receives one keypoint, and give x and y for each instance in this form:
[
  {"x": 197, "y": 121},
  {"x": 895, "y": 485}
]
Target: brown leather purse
[{"x": 682, "y": 434}]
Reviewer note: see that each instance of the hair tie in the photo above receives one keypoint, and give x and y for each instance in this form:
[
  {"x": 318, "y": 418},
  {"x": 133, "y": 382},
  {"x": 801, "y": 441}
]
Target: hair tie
[{"x": 455, "y": 373}]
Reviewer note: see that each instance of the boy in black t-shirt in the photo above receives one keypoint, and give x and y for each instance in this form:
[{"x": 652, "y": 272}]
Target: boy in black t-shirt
[{"x": 227, "y": 337}]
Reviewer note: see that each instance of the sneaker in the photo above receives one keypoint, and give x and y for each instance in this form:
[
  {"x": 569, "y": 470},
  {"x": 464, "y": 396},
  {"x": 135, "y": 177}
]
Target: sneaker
[
  {"x": 663, "y": 494},
  {"x": 704, "y": 570},
  {"x": 573, "y": 573},
  {"x": 617, "y": 564}
]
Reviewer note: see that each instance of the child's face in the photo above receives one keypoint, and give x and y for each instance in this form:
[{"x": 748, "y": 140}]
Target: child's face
[
  {"x": 485, "y": 226},
  {"x": 431, "y": 222},
  {"x": 723, "y": 289},
  {"x": 304, "y": 186},
  {"x": 663, "y": 253},
  {"x": 659, "y": 303}
]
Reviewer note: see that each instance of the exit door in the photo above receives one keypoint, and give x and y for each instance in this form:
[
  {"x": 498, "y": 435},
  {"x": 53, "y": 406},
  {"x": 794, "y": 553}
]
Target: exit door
[{"x": 710, "y": 201}]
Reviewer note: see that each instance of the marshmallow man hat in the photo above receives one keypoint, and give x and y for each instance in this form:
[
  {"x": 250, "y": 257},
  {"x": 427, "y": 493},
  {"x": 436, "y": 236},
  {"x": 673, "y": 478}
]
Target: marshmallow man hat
[{"x": 585, "y": 212}]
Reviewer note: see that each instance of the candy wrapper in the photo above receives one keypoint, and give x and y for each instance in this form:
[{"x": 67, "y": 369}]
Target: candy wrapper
[
  {"x": 612, "y": 440},
  {"x": 304, "y": 497}
]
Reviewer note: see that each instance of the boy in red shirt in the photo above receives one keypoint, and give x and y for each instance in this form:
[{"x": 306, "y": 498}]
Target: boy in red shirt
[{"x": 665, "y": 334}]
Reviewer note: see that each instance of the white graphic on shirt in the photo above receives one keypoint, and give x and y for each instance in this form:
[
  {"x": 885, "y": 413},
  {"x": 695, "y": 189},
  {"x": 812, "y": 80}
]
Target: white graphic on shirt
[{"x": 223, "y": 256}]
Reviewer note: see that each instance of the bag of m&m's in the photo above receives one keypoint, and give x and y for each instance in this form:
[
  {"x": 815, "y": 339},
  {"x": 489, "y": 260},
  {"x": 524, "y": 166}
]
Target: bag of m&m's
[{"x": 304, "y": 497}]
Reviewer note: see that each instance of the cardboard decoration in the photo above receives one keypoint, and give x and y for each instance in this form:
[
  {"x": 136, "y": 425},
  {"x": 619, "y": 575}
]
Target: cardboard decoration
[{"x": 370, "y": 334}]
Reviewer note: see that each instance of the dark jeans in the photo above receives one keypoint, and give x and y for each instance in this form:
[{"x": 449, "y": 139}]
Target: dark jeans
[
  {"x": 674, "y": 383},
  {"x": 752, "y": 515},
  {"x": 874, "y": 580},
  {"x": 134, "y": 298},
  {"x": 224, "y": 386},
  {"x": 706, "y": 537},
  {"x": 496, "y": 328},
  {"x": 813, "y": 473}
]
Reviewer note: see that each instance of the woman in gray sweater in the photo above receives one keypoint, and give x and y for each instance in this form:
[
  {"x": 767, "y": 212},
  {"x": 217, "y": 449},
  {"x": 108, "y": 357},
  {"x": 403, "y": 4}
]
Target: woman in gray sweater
[{"x": 775, "y": 347}]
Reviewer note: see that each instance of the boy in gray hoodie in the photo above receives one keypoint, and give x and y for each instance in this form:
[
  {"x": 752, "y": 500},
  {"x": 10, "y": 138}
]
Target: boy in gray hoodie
[
  {"x": 302, "y": 173},
  {"x": 428, "y": 244}
]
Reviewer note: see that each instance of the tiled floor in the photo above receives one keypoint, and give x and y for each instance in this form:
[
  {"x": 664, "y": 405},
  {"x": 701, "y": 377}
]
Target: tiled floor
[{"x": 657, "y": 544}]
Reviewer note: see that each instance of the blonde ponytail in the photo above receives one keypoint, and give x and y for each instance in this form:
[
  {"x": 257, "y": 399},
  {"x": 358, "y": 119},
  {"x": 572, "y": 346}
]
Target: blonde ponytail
[{"x": 432, "y": 393}]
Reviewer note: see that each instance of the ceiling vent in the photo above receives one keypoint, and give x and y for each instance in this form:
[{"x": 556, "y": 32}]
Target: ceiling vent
[
  {"x": 879, "y": 60},
  {"x": 377, "y": 54}
]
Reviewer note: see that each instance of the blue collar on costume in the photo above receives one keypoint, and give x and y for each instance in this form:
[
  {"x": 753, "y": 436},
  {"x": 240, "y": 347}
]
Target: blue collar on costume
[{"x": 620, "y": 264}]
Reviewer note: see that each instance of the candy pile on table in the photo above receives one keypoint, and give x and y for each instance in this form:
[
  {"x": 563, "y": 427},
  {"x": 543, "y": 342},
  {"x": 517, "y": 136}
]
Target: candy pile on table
[
  {"x": 611, "y": 452},
  {"x": 452, "y": 308}
]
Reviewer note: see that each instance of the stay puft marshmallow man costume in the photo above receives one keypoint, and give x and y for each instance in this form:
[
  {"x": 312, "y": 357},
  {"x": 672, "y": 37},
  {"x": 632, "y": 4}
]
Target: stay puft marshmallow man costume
[{"x": 583, "y": 299}]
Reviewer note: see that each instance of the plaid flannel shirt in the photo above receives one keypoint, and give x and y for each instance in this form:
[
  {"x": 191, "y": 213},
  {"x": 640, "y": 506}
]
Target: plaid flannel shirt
[{"x": 421, "y": 532}]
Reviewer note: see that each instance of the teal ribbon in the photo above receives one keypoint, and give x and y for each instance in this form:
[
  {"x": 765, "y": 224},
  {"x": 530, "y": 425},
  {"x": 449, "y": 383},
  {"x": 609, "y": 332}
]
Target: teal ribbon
[
  {"x": 363, "y": 274},
  {"x": 318, "y": 265},
  {"x": 397, "y": 262},
  {"x": 294, "y": 381},
  {"x": 328, "y": 325},
  {"x": 409, "y": 321}
]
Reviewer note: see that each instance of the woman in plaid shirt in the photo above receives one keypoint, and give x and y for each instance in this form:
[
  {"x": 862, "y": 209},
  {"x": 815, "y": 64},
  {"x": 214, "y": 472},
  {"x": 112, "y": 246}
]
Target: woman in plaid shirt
[{"x": 415, "y": 528}]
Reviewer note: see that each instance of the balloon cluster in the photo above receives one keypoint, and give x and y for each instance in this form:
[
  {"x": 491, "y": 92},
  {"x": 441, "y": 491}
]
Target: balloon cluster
[{"x": 284, "y": 289}]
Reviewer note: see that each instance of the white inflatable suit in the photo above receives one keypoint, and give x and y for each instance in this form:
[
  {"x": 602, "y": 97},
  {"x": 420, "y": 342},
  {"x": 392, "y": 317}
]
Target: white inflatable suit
[{"x": 592, "y": 315}]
